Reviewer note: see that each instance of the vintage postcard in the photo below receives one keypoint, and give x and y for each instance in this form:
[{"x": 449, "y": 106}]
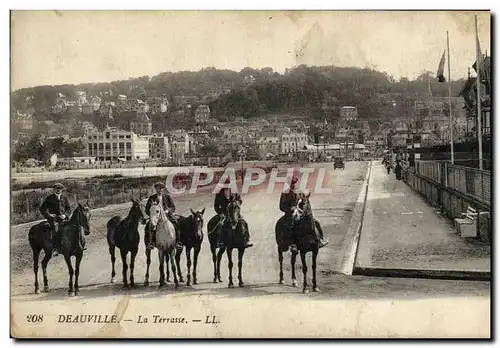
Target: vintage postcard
[{"x": 250, "y": 174}]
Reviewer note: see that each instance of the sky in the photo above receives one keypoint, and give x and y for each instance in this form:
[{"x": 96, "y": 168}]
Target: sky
[{"x": 71, "y": 47}]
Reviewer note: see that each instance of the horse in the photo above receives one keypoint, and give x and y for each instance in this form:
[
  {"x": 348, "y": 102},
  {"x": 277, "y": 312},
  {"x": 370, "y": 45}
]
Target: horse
[
  {"x": 40, "y": 238},
  {"x": 283, "y": 242},
  {"x": 72, "y": 244},
  {"x": 214, "y": 233},
  {"x": 124, "y": 235},
  {"x": 304, "y": 231},
  {"x": 191, "y": 237},
  {"x": 234, "y": 231},
  {"x": 165, "y": 241}
]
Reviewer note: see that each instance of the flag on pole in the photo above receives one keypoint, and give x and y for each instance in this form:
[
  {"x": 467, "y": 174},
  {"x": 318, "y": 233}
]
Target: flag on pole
[{"x": 440, "y": 72}]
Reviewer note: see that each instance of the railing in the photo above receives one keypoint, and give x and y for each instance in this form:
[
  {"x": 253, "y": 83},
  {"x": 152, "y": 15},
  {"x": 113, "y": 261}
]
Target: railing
[{"x": 469, "y": 181}]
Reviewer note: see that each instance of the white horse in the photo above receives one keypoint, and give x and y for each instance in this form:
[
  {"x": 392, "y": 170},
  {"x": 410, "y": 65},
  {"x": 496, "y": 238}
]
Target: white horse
[{"x": 165, "y": 240}]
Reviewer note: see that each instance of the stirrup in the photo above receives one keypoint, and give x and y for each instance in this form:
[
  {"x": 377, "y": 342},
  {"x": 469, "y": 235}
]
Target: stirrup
[
  {"x": 151, "y": 246},
  {"x": 248, "y": 245},
  {"x": 293, "y": 248}
]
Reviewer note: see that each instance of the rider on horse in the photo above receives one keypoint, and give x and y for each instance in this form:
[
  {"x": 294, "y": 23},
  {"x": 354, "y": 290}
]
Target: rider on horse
[
  {"x": 222, "y": 200},
  {"x": 56, "y": 209},
  {"x": 288, "y": 200},
  {"x": 163, "y": 198}
]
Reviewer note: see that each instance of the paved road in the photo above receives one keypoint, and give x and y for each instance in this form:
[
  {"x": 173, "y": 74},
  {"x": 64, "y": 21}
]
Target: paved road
[{"x": 283, "y": 310}]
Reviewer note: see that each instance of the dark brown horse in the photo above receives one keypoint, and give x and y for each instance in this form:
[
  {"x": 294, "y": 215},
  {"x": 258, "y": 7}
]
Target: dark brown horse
[
  {"x": 304, "y": 234},
  {"x": 234, "y": 229},
  {"x": 283, "y": 242},
  {"x": 40, "y": 238},
  {"x": 124, "y": 235},
  {"x": 191, "y": 237},
  {"x": 214, "y": 232}
]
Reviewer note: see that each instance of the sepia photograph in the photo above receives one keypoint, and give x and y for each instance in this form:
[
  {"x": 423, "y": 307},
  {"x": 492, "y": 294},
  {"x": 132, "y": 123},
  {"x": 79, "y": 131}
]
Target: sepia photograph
[{"x": 250, "y": 174}]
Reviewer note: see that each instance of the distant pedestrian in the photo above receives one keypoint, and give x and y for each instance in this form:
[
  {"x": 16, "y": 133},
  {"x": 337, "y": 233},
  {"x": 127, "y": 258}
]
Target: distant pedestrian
[{"x": 397, "y": 170}]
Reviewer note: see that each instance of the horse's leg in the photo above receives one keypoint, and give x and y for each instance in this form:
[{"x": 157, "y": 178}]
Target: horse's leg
[
  {"x": 172, "y": 261},
  {"x": 161, "y": 259},
  {"x": 36, "y": 256},
  {"x": 230, "y": 265},
  {"x": 214, "y": 260},
  {"x": 294, "y": 278},
  {"x": 241, "y": 251},
  {"x": 165, "y": 257},
  {"x": 188, "y": 262},
  {"x": 123, "y": 254},
  {"x": 219, "y": 258},
  {"x": 78, "y": 257},
  {"x": 178, "y": 254},
  {"x": 67, "y": 258},
  {"x": 195, "y": 265},
  {"x": 133, "y": 254},
  {"x": 314, "y": 257},
  {"x": 280, "y": 258},
  {"x": 304, "y": 271},
  {"x": 148, "y": 263},
  {"x": 113, "y": 259},
  {"x": 45, "y": 262}
]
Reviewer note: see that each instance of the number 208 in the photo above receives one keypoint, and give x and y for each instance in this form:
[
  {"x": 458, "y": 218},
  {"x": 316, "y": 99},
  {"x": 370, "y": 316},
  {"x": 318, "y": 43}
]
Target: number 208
[{"x": 34, "y": 318}]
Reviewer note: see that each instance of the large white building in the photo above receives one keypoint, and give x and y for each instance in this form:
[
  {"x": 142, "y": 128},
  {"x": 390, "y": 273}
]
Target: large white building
[
  {"x": 113, "y": 143},
  {"x": 293, "y": 142}
]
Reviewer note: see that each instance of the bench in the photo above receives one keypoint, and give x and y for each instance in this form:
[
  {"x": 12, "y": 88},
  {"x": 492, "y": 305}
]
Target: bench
[{"x": 467, "y": 225}]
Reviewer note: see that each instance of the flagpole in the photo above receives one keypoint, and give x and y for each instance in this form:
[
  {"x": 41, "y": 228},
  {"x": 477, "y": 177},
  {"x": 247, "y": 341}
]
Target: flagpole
[
  {"x": 449, "y": 99},
  {"x": 478, "y": 94}
]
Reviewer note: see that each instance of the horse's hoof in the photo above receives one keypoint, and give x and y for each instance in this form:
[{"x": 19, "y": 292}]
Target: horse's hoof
[
  {"x": 195, "y": 282},
  {"x": 216, "y": 280},
  {"x": 316, "y": 289},
  {"x": 176, "y": 285},
  {"x": 37, "y": 291},
  {"x": 241, "y": 284},
  {"x": 71, "y": 293},
  {"x": 305, "y": 291},
  {"x": 220, "y": 280},
  {"x": 294, "y": 283},
  {"x": 77, "y": 292},
  {"x": 231, "y": 285},
  {"x": 125, "y": 286},
  {"x": 46, "y": 288},
  {"x": 112, "y": 280},
  {"x": 281, "y": 282},
  {"x": 181, "y": 280},
  {"x": 188, "y": 283}
]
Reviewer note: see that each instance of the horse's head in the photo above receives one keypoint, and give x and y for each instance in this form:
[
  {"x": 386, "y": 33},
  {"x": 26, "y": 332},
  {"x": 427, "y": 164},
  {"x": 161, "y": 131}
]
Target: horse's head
[
  {"x": 156, "y": 214},
  {"x": 137, "y": 211},
  {"x": 234, "y": 210},
  {"x": 302, "y": 206},
  {"x": 198, "y": 221},
  {"x": 83, "y": 216}
]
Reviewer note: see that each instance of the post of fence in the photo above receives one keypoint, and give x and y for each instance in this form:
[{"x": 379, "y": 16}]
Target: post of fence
[
  {"x": 446, "y": 174},
  {"x": 102, "y": 198}
]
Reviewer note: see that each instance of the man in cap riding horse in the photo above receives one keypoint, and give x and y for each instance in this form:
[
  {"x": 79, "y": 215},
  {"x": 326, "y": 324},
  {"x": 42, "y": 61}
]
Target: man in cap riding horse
[
  {"x": 56, "y": 209},
  {"x": 222, "y": 200},
  {"x": 163, "y": 198},
  {"x": 288, "y": 200}
]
